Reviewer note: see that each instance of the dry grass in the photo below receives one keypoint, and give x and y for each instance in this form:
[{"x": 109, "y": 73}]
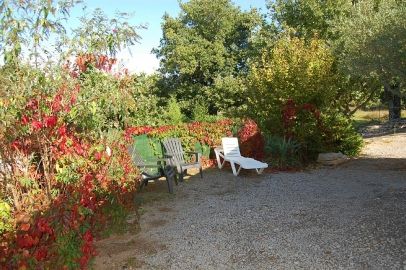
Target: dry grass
[
  {"x": 366, "y": 118},
  {"x": 371, "y": 115},
  {"x": 380, "y": 115}
]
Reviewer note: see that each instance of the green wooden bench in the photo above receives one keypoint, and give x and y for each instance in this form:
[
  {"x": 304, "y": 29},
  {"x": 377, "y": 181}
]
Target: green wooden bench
[
  {"x": 145, "y": 154},
  {"x": 150, "y": 151}
]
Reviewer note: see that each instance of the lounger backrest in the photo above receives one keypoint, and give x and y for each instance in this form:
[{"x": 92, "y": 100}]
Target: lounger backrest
[
  {"x": 173, "y": 147},
  {"x": 230, "y": 147}
]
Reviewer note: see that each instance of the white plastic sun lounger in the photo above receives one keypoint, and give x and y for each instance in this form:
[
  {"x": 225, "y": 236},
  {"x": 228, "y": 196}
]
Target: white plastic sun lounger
[{"x": 230, "y": 152}]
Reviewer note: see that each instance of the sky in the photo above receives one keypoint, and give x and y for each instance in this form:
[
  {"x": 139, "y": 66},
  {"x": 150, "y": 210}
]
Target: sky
[{"x": 149, "y": 13}]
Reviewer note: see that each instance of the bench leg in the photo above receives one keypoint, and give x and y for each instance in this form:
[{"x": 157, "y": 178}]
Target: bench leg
[
  {"x": 169, "y": 180},
  {"x": 169, "y": 173},
  {"x": 201, "y": 172},
  {"x": 144, "y": 182},
  {"x": 180, "y": 173}
]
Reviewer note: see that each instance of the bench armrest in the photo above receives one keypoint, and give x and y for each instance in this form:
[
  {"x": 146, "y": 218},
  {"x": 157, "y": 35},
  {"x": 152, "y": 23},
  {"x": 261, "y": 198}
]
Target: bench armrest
[{"x": 160, "y": 163}]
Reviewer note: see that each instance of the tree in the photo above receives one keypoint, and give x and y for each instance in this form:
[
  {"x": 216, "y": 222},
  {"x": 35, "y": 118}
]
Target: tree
[
  {"x": 295, "y": 92},
  {"x": 291, "y": 70},
  {"x": 99, "y": 34},
  {"x": 26, "y": 26},
  {"x": 29, "y": 30},
  {"x": 372, "y": 45},
  {"x": 309, "y": 17},
  {"x": 352, "y": 23},
  {"x": 204, "y": 51}
]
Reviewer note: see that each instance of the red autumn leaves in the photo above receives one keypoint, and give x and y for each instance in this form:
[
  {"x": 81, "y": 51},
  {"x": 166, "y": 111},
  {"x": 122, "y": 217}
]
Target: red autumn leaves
[
  {"x": 47, "y": 122},
  {"x": 209, "y": 134},
  {"x": 203, "y": 132},
  {"x": 34, "y": 240},
  {"x": 87, "y": 249},
  {"x": 80, "y": 172},
  {"x": 85, "y": 61},
  {"x": 251, "y": 140},
  {"x": 290, "y": 112},
  {"x": 42, "y": 112}
]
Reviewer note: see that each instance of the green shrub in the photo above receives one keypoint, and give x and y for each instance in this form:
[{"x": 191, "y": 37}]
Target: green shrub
[
  {"x": 340, "y": 135},
  {"x": 308, "y": 134},
  {"x": 292, "y": 70},
  {"x": 148, "y": 109},
  {"x": 107, "y": 101},
  {"x": 290, "y": 87},
  {"x": 68, "y": 245},
  {"x": 282, "y": 152},
  {"x": 200, "y": 112},
  {"x": 174, "y": 114},
  {"x": 116, "y": 215},
  {"x": 5, "y": 217}
]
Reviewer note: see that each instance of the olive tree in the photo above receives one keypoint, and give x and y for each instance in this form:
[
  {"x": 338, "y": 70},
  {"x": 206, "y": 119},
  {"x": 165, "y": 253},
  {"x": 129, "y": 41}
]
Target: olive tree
[{"x": 372, "y": 45}]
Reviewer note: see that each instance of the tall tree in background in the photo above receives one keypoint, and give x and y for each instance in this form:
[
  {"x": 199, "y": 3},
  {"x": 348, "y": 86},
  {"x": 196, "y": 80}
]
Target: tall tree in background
[
  {"x": 204, "y": 52},
  {"x": 367, "y": 36},
  {"x": 309, "y": 17},
  {"x": 372, "y": 44}
]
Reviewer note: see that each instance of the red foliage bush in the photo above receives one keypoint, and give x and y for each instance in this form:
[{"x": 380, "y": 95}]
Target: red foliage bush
[
  {"x": 71, "y": 179},
  {"x": 208, "y": 135},
  {"x": 252, "y": 142},
  {"x": 290, "y": 112}
]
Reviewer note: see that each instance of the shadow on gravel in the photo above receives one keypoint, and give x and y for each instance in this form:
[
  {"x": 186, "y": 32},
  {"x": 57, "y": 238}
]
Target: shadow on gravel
[
  {"x": 379, "y": 131},
  {"x": 371, "y": 164}
]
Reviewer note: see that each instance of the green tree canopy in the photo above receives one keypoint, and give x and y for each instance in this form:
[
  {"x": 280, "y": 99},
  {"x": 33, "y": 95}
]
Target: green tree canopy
[
  {"x": 372, "y": 45},
  {"x": 208, "y": 41},
  {"x": 25, "y": 27},
  {"x": 292, "y": 70},
  {"x": 99, "y": 34},
  {"x": 309, "y": 17},
  {"x": 373, "y": 40}
]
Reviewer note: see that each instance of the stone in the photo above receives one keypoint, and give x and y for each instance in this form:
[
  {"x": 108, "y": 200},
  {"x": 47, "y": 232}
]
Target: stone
[
  {"x": 132, "y": 219},
  {"x": 332, "y": 158}
]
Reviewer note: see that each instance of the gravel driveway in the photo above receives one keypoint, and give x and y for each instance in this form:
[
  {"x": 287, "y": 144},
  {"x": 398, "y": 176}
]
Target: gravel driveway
[{"x": 348, "y": 217}]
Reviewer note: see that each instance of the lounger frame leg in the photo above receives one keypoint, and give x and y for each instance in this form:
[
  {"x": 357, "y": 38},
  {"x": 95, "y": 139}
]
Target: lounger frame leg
[
  {"x": 259, "y": 171},
  {"x": 235, "y": 172},
  {"x": 218, "y": 157}
]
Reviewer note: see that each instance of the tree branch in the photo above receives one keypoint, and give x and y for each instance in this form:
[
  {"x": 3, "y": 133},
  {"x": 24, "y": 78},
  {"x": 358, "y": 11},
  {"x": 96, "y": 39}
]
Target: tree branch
[{"x": 362, "y": 103}]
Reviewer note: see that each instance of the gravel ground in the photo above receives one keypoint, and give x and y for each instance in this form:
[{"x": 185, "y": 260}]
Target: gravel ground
[{"x": 348, "y": 217}]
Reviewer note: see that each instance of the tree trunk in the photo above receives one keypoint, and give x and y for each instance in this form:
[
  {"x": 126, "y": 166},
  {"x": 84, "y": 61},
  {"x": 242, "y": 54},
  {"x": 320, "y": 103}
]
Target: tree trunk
[{"x": 394, "y": 102}]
